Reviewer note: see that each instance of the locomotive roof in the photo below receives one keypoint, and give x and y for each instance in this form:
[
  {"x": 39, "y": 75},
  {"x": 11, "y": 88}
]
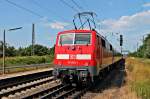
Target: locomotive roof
[
  {"x": 81, "y": 30},
  {"x": 76, "y": 31},
  {"x": 86, "y": 30}
]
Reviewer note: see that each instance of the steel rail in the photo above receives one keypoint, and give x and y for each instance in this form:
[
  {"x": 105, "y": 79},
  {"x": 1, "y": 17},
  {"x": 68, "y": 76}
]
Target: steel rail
[
  {"x": 50, "y": 94},
  {"x": 24, "y": 87},
  {"x": 66, "y": 94},
  {"x": 81, "y": 93},
  {"x": 41, "y": 94},
  {"x": 14, "y": 81}
]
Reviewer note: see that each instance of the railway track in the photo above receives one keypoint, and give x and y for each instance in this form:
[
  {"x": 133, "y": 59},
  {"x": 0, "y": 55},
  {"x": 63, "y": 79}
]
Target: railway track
[
  {"x": 45, "y": 87},
  {"x": 59, "y": 92},
  {"x": 21, "y": 87},
  {"x": 14, "y": 81},
  {"x": 9, "y": 87},
  {"x": 56, "y": 92}
]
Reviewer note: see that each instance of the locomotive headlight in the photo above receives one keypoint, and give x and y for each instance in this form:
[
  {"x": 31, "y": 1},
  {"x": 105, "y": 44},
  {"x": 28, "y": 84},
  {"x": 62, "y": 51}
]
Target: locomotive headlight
[
  {"x": 62, "y": 56},
  {"x": 84, "y": 56}
]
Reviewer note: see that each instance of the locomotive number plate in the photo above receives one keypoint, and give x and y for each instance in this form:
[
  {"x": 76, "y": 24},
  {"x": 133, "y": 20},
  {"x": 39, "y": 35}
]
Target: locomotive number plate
[{"x": 72, "y": 56}]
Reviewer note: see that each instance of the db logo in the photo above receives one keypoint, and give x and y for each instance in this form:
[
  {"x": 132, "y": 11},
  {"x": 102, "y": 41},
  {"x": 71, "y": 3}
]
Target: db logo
[{"x": 72, "y": 56}]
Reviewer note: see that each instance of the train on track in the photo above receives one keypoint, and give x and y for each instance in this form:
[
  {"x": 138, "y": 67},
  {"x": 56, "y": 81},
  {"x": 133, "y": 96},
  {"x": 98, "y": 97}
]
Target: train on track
[{"x": 82, "y": 55}]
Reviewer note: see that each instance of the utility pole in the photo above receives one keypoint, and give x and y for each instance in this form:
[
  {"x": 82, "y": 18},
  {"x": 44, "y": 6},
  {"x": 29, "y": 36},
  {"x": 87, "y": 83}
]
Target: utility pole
[
  {"x": 137, "y": 46},
  {"x": 4, "y": 52},
  {"x": 137, "y": 49},
  {"x": 4, "y": 45},
  {"x": 33, "y": 40}
]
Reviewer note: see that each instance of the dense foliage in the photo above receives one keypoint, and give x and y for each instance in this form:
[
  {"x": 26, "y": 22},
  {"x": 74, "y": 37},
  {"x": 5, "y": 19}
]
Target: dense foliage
[
  {"x": 39, "y": 50},
  {"x": 144, "y": 50}
]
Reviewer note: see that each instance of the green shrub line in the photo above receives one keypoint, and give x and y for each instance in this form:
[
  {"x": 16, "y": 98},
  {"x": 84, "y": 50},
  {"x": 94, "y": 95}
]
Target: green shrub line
[{"x": 26, "y": 60}]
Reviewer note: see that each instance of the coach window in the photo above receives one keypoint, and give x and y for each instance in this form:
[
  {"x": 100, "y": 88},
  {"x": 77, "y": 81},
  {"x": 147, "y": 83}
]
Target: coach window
[
  {"x": 103, "y": 43},
  {"x": 97, "y": 39},
  {"x": 110, "y": 47}
]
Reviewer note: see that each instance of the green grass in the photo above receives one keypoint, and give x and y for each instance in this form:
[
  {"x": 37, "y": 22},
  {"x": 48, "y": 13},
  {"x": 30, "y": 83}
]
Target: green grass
[
  {"x": 27, "y": 60},
  {"x": 142, "y": 88}
]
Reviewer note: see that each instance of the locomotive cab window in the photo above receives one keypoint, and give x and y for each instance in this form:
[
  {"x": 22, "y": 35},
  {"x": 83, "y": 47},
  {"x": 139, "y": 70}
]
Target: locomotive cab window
[
  {"x": 82, "y": 38},
  {"x": 75, "y": 38},
  {"x": 66, "y": 39},
  {"x": 103, "y": 43}
]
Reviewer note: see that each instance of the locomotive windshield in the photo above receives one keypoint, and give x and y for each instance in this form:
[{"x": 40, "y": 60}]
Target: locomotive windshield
[
  {"x": 66, "y": 39},
  {"x": 75, "y": 38}
]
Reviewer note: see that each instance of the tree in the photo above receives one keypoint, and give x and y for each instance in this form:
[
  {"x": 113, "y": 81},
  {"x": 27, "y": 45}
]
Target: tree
[
  {"x": 1, "y": 48},
  {"x": 9, "y": 50},
  {"x": 39, "y": 50},
  {"x": 51, "y": 50},
  {"x": 144, "y": 50}
]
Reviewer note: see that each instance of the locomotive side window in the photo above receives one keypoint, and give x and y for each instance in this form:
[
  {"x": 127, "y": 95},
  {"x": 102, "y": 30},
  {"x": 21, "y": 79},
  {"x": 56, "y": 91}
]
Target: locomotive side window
[
  {"x": 103, "y": 43},
  {"x": 110, "y": 47},
  {"x": 82, "y": 38},
  {"x": 66, "y": 39},
  {"x": 97, "y": 39}
]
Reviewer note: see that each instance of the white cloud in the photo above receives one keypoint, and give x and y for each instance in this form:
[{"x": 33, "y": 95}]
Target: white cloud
[
  {"x": 128, "y": 23},
  {"x": 133, "y": 27},
  {"x": 44, "y": 19},
  {"x": 146, "y": 4},
  {"x": 54, "y": 25},
  {"x": 58, "y": 25}
]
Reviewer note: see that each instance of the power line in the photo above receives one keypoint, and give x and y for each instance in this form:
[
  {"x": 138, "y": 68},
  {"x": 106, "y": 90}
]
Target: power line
[
  {"x": 26, "y": 9},
  {"x": 85, "y": 5},
  {"x": 77, "y": 5},
  {"x": 45, "y": 8},
  {"x": 73, "y": 8}
]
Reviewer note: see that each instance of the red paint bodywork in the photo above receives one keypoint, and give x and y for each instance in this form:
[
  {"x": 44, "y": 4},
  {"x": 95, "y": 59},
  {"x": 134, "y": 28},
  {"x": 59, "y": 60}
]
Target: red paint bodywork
[{"x": 99, "y": 55}]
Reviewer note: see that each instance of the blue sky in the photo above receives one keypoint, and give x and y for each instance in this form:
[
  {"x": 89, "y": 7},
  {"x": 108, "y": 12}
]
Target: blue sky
[{"x": 128, "y": 17}]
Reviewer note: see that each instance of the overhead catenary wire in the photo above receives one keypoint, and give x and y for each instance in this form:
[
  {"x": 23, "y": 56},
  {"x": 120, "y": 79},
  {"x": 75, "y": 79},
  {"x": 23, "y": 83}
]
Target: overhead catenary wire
[
  {"x": 77, "y": 5},
  {"x": 26, "y": 9},
  {"x": 47, "y": 9},
  {"x": 23, "y": 8},
  {"x": 85, "y": 4},
  {"x": 67, "y": 4}
]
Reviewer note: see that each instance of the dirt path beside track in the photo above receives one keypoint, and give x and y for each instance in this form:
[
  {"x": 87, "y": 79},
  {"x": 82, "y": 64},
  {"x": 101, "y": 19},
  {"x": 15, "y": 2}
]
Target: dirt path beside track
[{"x": 118, "y": 87}]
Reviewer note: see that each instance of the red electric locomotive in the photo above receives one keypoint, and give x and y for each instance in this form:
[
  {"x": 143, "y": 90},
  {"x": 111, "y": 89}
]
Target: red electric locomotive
[{"x": 82, "y": 55}]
